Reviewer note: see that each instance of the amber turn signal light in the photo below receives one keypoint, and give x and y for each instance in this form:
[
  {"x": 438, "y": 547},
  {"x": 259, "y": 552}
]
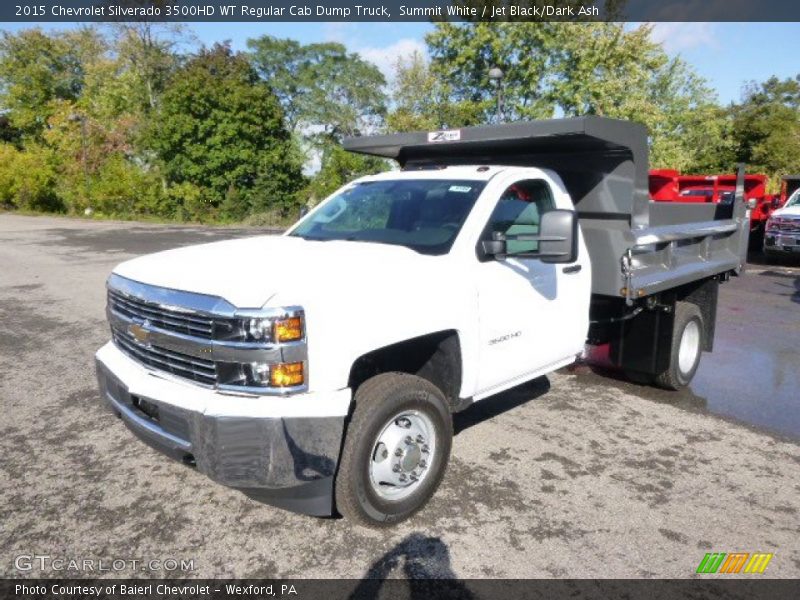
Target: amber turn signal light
[
  {"x": 289, "y": 330},
  {"x": 287, "y": 375}
]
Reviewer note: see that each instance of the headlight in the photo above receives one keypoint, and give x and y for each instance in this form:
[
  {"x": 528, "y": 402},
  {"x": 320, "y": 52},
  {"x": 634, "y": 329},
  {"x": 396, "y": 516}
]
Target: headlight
[
  {"x": 249, "y": 333},
  {"x": 259, "y": 329},
  {"x": 259, "y": 374},
  {"x": 279, "y": 329}
]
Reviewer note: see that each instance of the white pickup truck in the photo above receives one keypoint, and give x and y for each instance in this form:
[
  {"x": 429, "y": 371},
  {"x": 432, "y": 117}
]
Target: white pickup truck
[
  {"x": 782, "y": 232},
  {"x": 318, "y": 370}
]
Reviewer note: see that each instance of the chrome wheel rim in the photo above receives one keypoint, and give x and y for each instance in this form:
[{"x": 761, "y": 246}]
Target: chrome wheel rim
[
  {"x": 402, "y": 455},
  {"x": 689, "y": 348}
]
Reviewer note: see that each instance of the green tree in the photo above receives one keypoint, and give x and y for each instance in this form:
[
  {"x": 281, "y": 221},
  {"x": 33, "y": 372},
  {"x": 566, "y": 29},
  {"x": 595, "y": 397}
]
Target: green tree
[
  {"x": 766, "y": 126},
  {"x": 338, "y": 168},
  {"x": 422, "y": 101},
  {"x": 39, "y": 70},
  {"x": 604, "y": 69},
  {"x": 28, "y": 178},
  {"x": 570, "y": 69},
  {"x": 326, "y": 92},
  {"x": 689, "y": 130},
  {"x": 220, "y": 128},
  {"x": 147, "y": 55},
  {"x": 463, "y": 54},
  {"x": 8, "y": 133}
]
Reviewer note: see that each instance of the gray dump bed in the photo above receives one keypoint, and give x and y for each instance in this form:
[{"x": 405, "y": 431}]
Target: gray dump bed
[{"x": 637, "y": 247}]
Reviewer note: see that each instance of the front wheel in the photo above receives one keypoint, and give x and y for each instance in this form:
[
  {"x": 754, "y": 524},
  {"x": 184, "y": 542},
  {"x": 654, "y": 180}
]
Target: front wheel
[
  {"x": 772, "y": 258},
  {"x": 396, "y": 449},
  {"x": 687, "y": 345}
]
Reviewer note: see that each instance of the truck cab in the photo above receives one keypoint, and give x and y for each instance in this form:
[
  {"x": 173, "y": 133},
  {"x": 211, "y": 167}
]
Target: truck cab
[
  {"x": 441, "y": 218},
  {"x": 319, "y": 370}
]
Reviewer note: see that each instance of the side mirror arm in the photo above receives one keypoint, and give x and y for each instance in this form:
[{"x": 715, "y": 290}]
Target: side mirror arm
[
  {"x": 536, "y": 238},
  {"x": 494, "y": 248}
]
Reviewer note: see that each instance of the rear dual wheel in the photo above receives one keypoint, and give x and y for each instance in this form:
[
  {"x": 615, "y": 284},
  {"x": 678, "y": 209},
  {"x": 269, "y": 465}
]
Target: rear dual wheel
[
  {"x": 687, "y": 346},
  {"x": 688, "y": 332}
]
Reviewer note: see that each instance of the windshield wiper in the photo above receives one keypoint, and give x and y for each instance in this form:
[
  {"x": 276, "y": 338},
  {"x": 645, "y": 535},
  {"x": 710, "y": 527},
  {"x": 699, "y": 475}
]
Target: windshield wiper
[
  {"x": 353, "y": 238},
  {"x": 412, "y": 248},
  {"x": 309, "y": 238}
]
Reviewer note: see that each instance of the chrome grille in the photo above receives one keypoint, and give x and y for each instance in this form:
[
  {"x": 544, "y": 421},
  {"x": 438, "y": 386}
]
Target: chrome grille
[
  {"x": 787, "y": 226},
  {"x": 183, "y": 365},
  {"x": 171, "y": 320},
  {"x": 199, "y": 337}
]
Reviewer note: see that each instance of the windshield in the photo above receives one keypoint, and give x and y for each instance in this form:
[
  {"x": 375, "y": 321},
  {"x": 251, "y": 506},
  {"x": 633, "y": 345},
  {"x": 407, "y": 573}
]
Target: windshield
[
  {"x": 696, "y": 192},
  {"x": 794, "y": 199},
  {"x": 424, "y": 215}
]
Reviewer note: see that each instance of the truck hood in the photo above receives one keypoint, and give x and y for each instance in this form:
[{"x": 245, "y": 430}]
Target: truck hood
[
  {"x": 249, "y": 272},
  {"x": 790, "y": 211}
]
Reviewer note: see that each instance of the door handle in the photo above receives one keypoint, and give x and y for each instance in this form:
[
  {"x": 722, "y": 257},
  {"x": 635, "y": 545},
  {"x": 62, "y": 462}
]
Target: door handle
[{"x": 571, "y": 269}]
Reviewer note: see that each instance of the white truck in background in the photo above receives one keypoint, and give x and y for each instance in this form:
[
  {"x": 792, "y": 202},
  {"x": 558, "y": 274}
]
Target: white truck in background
[
  {"x": 782, "y": 231},
  {"x": 318, "y": 370}
]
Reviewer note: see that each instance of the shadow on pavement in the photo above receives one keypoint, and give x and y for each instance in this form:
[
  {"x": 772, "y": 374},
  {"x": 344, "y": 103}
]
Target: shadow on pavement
[
  {"x": 685, "y": 398},
  {"x": 497, "y": 405},
  {"x": 757, "y": 258},
  {"x": 795, "y": 296},
  {"x": 422, "y": 558}
]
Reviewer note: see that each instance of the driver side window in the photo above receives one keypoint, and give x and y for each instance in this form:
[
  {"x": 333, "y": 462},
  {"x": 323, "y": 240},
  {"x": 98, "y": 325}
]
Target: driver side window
[{"x": 519, "y": 212}]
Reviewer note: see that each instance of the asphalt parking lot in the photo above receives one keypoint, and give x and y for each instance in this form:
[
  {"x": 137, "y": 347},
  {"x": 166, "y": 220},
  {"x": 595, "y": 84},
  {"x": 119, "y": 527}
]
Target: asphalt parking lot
[{"x": 573, "y": 475}]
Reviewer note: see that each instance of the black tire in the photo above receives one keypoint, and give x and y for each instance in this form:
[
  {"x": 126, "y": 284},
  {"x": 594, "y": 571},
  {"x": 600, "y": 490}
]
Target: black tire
[
  {"x": 773, "y": 258},
  {"x": 756, "y": 239},
  {"x": 687, "y": 316},
  {"x": 377, "y": 401},
  {"x": 639, "y": 378}
]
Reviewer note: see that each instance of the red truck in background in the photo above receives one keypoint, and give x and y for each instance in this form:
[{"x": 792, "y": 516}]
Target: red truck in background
[{"x": 668, "y": 185}]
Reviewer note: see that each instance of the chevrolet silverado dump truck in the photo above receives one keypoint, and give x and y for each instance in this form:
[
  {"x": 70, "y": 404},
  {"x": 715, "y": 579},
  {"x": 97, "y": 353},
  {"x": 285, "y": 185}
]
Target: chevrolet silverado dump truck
[{"x": 319, "y": 370}]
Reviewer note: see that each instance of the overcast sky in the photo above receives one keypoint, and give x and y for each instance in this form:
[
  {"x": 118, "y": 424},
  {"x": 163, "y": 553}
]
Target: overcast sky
[{"x": 726, "y": 54}]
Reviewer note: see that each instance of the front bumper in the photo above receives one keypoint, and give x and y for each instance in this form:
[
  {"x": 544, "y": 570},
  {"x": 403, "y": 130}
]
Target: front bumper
[
  {"x": 784, "y": 243},
  {"x": 280, "y": 450}
]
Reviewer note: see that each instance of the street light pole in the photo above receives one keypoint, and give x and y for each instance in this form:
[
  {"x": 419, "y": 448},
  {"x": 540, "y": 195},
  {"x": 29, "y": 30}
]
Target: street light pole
[{"x": 496, "y": 75}]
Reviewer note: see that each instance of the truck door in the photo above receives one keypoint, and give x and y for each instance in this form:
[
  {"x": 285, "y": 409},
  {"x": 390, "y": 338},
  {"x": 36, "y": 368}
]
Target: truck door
[{"x": 533, "y": 315}]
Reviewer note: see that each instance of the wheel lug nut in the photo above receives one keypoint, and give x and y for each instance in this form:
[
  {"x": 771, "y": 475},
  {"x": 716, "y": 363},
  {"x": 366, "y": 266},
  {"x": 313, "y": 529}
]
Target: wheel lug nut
[
  {"x": 398, "y": 452},
  {"x": 403, "y": 478},
  {"x": 423, "y": 464},
  {"x": 396, "y": 468},
  {"x": 420, "y": 439},
  {"x": 425, "y": 448},
  {"x": 414, "y": 477},
  {"x": 409, "y": 440}
]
